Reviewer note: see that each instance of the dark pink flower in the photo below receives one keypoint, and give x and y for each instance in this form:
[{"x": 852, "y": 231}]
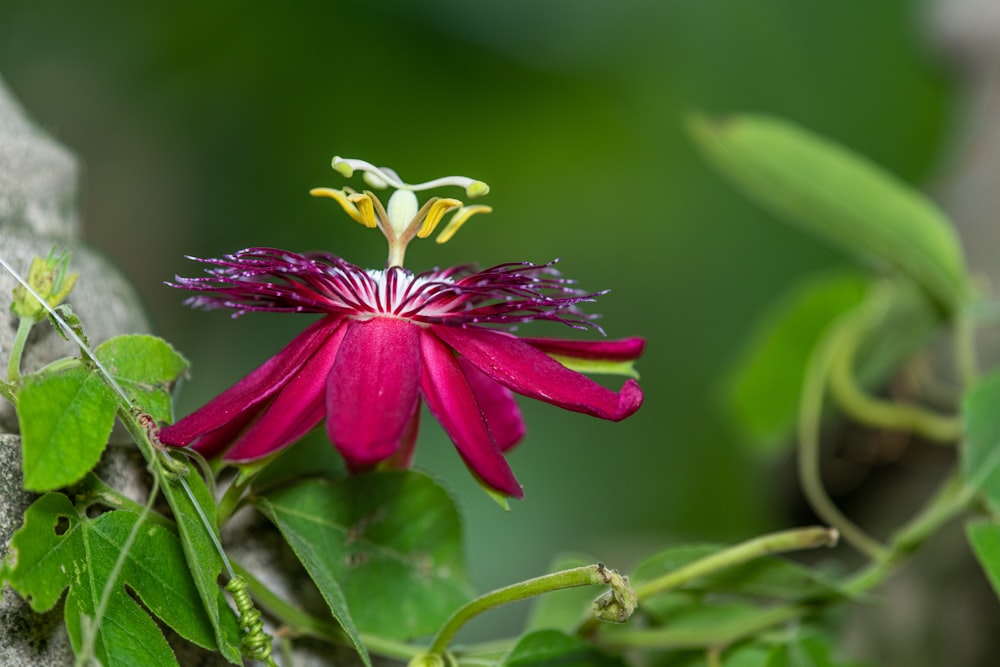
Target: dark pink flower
[{"x": 389, "y": 339}]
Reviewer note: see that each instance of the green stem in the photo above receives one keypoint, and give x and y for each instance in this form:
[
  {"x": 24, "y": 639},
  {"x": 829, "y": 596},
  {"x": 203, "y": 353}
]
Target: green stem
[
  {"x": 873, "y": 411},
  {"x": 952, "y": 499},
  {"x": 965, "y": 348},
  {"x": 589, "y": 575},
  {"x": 724, "y": 633},
  {"x": 24, "y": 325},
  {"x": 772, "y": 543},
  {"x": 809, "y": 423},
  {"x": 230, "y": 500},
  {"x": 303, "y": 624}
]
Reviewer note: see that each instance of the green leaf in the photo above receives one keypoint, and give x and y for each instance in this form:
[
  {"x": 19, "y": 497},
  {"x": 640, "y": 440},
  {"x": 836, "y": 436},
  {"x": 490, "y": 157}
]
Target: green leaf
[
  {"x": 981, "y": 453},
  {"x": 806, "y": 649},
  {"x": 146, "y": 367},
  {"x": 563, "y": 610},
  {"x": 908, "y": 324},
  {"x": 192, "y": 505},
  {"x": 385, "y": 546},
  {"x": 65, "y": 419},
  {"x": 751, "y": 655},
  {"x": 695, "y": 621},
  {"x": 770, "y": 578},
  {"x": 59, "y": 547},
  {"x": 764, "y": 389},
  {"x": 551, "y": 648},
  {"x": 984, "y": 537},
  {"x": 839, "y": 195}
]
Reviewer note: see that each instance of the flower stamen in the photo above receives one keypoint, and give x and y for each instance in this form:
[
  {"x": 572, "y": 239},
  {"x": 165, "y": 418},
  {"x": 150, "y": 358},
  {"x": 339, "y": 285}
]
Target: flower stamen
[
  {"x": 458, "y": 219},
  {"x": 366, "y": 208},
  {"x": 404, "y": 218},
  {"x": 341, "y": 198},
  {"x": 435, "y": 213}
]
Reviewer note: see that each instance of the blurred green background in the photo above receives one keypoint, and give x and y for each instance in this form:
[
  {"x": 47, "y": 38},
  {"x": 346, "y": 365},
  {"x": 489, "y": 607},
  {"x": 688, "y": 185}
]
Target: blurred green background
[{"x": 202, "y": 126}]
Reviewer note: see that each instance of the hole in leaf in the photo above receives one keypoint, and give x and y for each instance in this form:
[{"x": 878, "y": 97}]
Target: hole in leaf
[{"x": 62, "y": 525}]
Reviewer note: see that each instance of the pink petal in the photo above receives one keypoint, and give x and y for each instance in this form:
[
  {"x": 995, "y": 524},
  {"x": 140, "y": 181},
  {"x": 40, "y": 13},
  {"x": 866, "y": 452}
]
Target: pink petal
[
  {"x": 625, "y": 349},
  {"x": 372, "y": 391},
  {"x": 530, "y": 372},
  {"x": 503, "y": 417},
  {"x": 296, "y": 410},
  {"x": 217, "y": 441},
  {"x": 452, "y": 403},
  {"x": 403, "y": 457},
  {"x": 216, "y": 422}
]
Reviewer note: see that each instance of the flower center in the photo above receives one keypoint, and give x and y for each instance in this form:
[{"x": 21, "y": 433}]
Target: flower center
[{"x": 404, "y": 218}]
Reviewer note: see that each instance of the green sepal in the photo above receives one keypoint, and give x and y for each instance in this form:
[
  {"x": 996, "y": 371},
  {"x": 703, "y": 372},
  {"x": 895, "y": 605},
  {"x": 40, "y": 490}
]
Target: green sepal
[{"x": 599, "y": 366}]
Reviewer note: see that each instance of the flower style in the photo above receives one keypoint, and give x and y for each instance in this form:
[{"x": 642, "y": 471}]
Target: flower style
[{"x": 389, "y": 338}]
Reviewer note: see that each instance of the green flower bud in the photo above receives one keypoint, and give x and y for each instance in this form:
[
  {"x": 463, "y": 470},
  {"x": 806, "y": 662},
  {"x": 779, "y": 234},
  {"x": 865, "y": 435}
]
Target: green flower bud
[
  {"x": 50, "y": 280},
  {"x": 618, "y": 604}
]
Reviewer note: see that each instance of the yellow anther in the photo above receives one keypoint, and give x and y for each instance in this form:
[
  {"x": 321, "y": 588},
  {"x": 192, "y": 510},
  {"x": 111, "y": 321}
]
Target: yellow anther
[
  {"x": 366, "y": 208},
  {"x": 341, "y": 198},
  {"x": 435, "y": 213},
  {"x": 457, "y": 220},
  {"x": 403, "y": 218}
]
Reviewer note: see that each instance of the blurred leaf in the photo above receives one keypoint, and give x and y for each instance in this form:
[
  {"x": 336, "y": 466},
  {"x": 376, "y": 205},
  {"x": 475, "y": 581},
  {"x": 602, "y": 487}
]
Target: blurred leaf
[
  {"x": 204, "y": 560},
  {"x": 769, "y": 577},
  {"x": 839, "y": 195},
  {"x": 981, "y": 453},
  {"x": 146, "y": 368},
  {"x": 806, "y": 649},
  {"x": 908, "y": 324},
  {"x": 563, "y": 610},
  {"x": 386, "y": 546},
  {"x": 65, "y": 419},
  {"x": 746, "y": 656},
  {"x": 699, "y": 621},
  {"x": 551, "y": 648},
  {"x": 984, "y": 536},
  {"x": 765, "y": 386},
  {"x": 59, "y": 547}
]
